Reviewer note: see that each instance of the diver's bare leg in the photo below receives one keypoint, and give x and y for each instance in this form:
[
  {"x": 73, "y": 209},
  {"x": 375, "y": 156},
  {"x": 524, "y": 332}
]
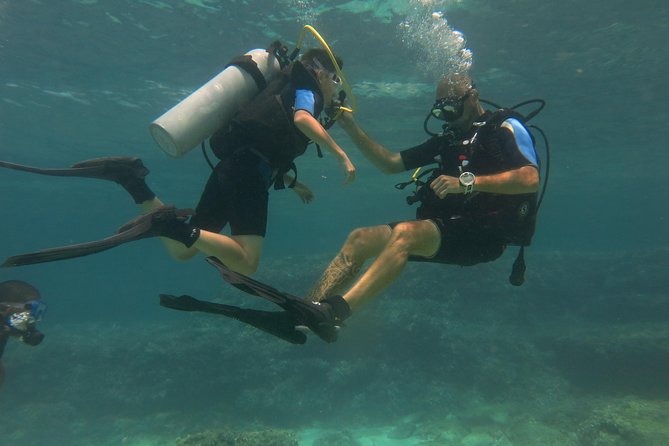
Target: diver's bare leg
[
  {"x": 239, "y": 253},
  {"x": 409, "y": 238},
  {"x": 361, "y": 244}
]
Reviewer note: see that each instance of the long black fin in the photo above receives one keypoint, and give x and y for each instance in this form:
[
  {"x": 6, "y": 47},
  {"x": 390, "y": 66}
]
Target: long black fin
[
  {"x": 311, "y": 314},
  {"x": 277, "y": 323},
  {"x": 137, "y": 229},
  {"x": 60, "y": 172},
  {"x": 102, "y": 168}
]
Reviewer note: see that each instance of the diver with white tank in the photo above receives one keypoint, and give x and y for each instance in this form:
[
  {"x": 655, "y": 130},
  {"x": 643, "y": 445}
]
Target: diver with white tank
[{"x": 259, "y": 114}]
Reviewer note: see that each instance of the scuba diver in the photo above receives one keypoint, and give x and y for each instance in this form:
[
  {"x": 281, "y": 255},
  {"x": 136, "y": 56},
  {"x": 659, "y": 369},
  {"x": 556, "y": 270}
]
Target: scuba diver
[
  {"x": 482, "y": 197},
  {"x": 256, "y": 149},
  {"x": 20, "y": 309}
]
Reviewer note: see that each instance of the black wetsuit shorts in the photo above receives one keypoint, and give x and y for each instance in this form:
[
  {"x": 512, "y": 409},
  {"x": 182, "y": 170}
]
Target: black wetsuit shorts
[
  {"x": 236, "y": 193},
  {"x": 464, "y": 242}
]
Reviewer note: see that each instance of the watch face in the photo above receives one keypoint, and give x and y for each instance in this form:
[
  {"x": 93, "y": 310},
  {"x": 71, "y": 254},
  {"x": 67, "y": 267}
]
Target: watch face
[{"x": 467, "y": 178}]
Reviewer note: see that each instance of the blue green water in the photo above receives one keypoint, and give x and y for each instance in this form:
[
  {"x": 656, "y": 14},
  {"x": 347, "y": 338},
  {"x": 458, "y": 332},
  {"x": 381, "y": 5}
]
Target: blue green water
[{"x": 455, "y": 353}]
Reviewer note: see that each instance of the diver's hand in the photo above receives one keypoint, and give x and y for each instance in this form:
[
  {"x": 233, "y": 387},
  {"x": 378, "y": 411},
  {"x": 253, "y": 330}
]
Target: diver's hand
[
  {"x": 302, "y": 191},
  {"x": 346, "y": 121},
  {"x": 349, "y": 170},
  {"x": 444, "y": 185}
]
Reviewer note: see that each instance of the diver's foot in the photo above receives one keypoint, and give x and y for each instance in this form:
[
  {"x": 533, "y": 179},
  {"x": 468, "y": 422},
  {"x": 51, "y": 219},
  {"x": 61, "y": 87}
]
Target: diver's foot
[
  {"x": 165, "y": 221},
  {"x": 127, "y": 171},
  {"x": 318, "y": 317}
]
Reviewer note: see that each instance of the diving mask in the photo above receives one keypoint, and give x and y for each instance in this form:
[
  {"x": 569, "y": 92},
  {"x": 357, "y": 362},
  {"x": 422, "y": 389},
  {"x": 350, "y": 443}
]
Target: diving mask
[
  {"x": 335, "y": 79},
  {"x": 450, "y": 109},
  {"x": 33, "y": 311}
]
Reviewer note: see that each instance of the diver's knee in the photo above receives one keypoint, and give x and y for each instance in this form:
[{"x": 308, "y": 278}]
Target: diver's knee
[
  {"x": 356, "y": 237},
  {"x": 251, "y": 268},
  {"x": 363, "y": 244},
  {"x": 413, "y": 237},
  {"x": 362, "y": 237},
  {"x": 403, "y": 234},
  {"x": 356, "y": 244},
  {"x": 248, "y": 267}
]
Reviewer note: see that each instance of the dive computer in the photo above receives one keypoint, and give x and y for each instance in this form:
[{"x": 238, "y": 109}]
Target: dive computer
[{"x": 467, "y": 180}]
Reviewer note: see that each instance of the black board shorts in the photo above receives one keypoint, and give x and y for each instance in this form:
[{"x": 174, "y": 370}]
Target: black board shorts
[
  {"x": 464, "y": 243},
  {"x": 236, "y": 193}
]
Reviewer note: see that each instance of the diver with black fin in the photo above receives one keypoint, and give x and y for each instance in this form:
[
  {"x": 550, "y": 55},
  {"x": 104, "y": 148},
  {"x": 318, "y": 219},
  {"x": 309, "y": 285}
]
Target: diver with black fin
[
  {"x": 256, "y": 147},
  {"x": 322, "y": 318},
  {"x": 482, "y": 196}
]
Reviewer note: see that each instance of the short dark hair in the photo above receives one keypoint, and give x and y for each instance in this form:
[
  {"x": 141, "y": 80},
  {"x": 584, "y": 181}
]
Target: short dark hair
[{"x": 322, "y": 57}]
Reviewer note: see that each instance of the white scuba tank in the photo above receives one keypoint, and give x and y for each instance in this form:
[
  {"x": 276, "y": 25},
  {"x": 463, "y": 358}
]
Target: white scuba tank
[{"x": 196, "y": 118}]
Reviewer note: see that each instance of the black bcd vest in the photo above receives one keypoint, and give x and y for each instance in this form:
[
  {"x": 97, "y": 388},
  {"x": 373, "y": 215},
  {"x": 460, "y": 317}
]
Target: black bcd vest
[
  {"x": 266, "y": 123},
  {"x": 480, "y": 152}
]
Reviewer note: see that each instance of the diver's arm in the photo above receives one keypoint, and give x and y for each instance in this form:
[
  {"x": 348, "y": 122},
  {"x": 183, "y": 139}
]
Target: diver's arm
[
  {"x": 302, "y": 190},
  {"x": 313, "y": 130},
  {"x": 385, "y": 160},
  {"x": 524, "y": 180}
]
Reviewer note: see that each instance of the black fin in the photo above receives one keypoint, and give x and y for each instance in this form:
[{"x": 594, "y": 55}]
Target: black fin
[
  {"x": 277, "y": 323},
  {"x": 317, "y": 316},
  {"x": 108, "y": 168},
  {"x": 137, "y": 229}
]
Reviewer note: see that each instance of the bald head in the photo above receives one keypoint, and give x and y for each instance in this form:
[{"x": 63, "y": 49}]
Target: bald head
[{"x": 17, "y": 291}]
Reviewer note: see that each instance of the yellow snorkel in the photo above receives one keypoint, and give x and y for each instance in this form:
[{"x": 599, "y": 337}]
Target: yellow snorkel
[{"x": 347, "y": 88}]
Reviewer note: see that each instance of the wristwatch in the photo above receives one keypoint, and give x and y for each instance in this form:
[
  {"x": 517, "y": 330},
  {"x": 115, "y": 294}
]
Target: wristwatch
[{"x": 467, "y": 180}]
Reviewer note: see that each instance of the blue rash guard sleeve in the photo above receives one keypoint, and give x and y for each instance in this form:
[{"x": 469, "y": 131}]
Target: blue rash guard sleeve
[
  {"x": 523, "y": 141},
  {"x": 304, "y": 100}
]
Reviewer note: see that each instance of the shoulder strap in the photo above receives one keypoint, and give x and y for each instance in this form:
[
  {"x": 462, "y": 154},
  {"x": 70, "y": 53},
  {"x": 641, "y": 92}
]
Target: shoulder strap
[
  {"x": 303, "y": 76},
  {"x": 247, "y": 64},
  {"x": 278, "y": 179}
]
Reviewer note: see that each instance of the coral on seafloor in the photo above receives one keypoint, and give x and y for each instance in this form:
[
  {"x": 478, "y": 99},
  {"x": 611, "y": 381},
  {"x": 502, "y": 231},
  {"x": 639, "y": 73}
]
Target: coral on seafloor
[
  {"x": 228, "y": 437},
  {"x": 627, "y": 423}
]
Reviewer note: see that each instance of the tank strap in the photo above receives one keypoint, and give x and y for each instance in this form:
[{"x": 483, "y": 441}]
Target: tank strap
[
  {"x": 247, "y": 64},
  {"x": 279, "y": 183}
]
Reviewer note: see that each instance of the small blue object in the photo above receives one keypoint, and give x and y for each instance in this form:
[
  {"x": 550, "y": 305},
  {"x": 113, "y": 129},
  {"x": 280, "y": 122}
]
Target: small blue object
[{"x": 37, "y": 309}]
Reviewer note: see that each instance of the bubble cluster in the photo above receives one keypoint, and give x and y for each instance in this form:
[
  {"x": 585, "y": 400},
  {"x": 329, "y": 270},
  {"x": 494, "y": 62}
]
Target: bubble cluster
[
  {"x": 306, "y": 11},
  {"x": 440, "y": 48}
]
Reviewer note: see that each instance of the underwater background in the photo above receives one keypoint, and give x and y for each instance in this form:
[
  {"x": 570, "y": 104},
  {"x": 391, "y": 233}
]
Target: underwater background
[{"x": 579, "y": 355}]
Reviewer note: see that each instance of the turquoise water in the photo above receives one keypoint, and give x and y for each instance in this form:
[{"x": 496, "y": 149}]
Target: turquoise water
[{"x": 447, "y": 356}]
